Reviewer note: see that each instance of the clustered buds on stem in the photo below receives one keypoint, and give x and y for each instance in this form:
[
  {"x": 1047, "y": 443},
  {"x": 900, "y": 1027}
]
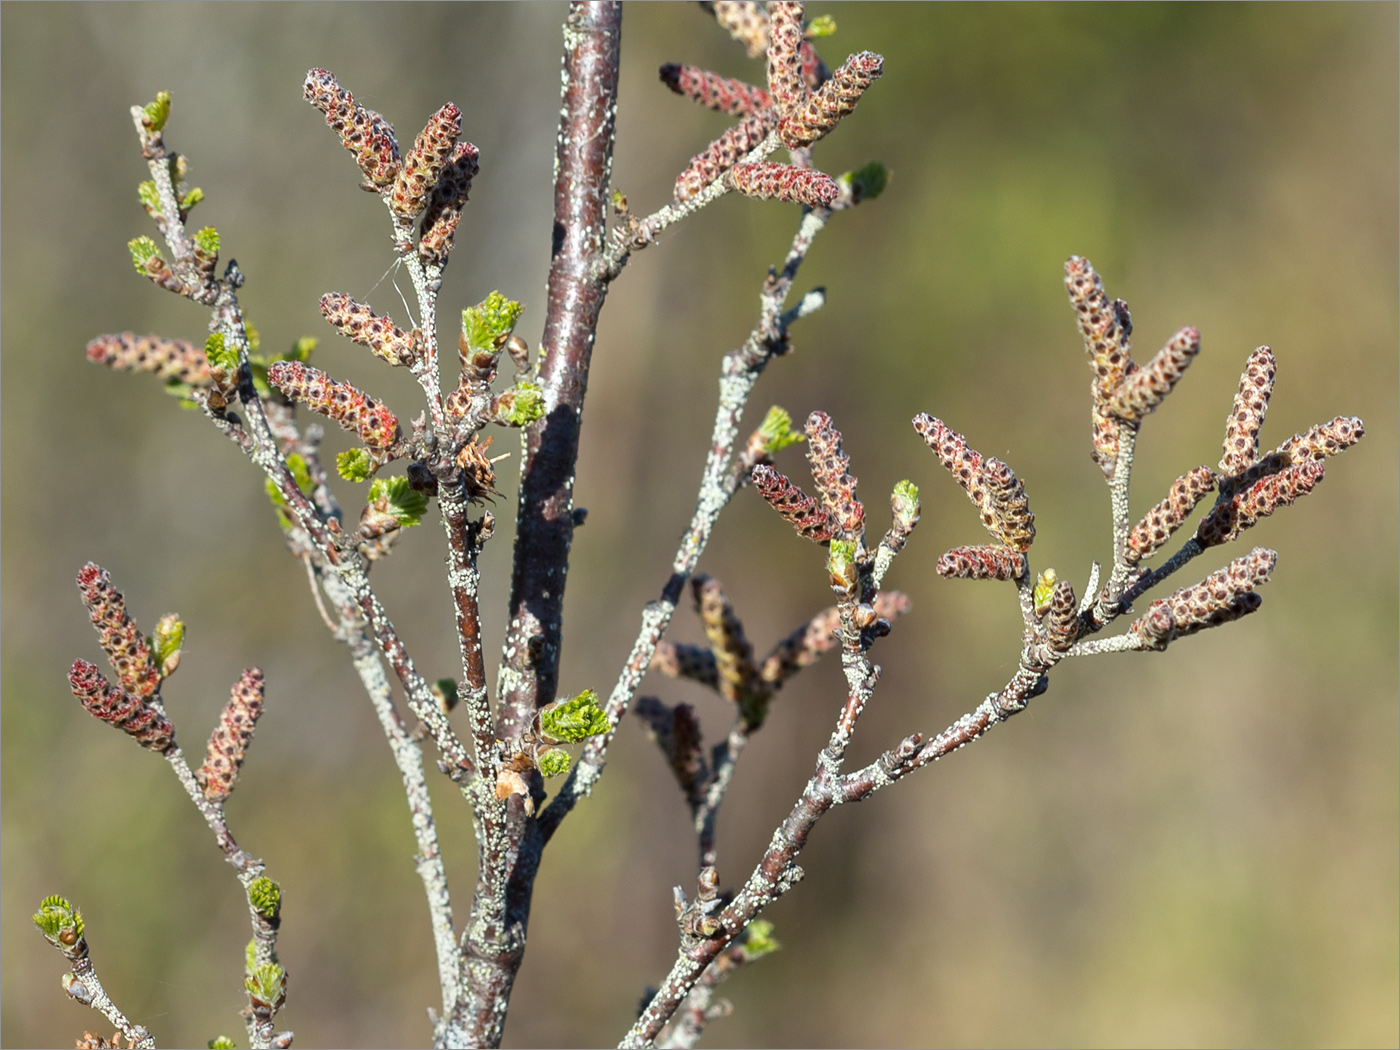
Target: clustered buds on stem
[
  {"x": 228, "y": 744},
  {"x": 353, "y": 409}
]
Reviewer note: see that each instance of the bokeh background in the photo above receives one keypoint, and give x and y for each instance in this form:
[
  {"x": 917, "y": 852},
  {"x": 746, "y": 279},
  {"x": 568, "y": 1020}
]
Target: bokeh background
[{"x": 1193, "y": 848}]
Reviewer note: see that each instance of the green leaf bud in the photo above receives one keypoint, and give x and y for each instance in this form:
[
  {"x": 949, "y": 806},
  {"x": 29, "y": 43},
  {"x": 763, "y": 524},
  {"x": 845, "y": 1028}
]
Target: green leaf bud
[
  {"x": 904, "y": 506},
  {"x": 149, "y": 196},
  {"x": 207, "y": 241},
  {"x": 143, "y": 250},
  {"x": 553, "y": 762},
  {"x": 841, "y": 564},
  {"x": 222, "y": 357},
  {"x": 569, "y": 721},
  {"x": 354, "y": 464},
  {"x": 867, "y": 182},
  {"x": 59, "y": 922},
  {"x": 821, "y": 26},
  {"x": 758, "y": 940},
  {"x": 221, "y": 1042},
  {"x": 266, "y": 985},
  {"x": 301, "y": 349},
  {"x": 397, "y": 497},
  {"x": 190, "y": 198},
  {"x": 166, "y": 643},
  {"x": 157, "y": 112},
  {"x": 520, "y": 406},
  {"x": 265, "y": 896},
  {"x": 1044, "y": 588},
  {"x": 776, "y": 431},
  {"x": 445, "y": 692},
  {"x": 488, "y": 325}
]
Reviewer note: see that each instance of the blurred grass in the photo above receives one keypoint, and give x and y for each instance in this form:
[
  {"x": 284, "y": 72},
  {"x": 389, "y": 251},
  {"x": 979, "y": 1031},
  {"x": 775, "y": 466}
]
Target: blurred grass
[{"x": 1197, "y": 848}]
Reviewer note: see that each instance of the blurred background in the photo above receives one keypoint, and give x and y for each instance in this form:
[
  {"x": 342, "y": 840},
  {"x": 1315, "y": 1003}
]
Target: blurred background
[{"x": 1195, "y": 848}]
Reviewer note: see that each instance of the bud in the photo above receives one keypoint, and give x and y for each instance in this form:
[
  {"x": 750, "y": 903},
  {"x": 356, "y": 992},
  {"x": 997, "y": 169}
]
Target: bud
[
  {"x": 832, "y": 102},
  {"x": 798, "y": 509},
  {"x": 350, "y": 407},
  {"x": 167, "y": 640},
  {"x": 1165, "y": 518},
  {"x": 62, "y": 926},
  {"x": 714, "y": 91},
  {"x": 841, "y": 566},
  {"x": 785, "y": 182},
  {"x": 228, "y": 744},
  {"x": 982, "y": 563},
  {"x": 904, "y": 514},
  {"x": 1247, "y": 414}
]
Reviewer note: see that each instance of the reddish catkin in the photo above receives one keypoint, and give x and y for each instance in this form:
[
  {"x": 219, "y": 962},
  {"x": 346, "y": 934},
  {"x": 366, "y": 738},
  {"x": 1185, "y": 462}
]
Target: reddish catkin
[
  {"x": 785, "y": 182},
  {"x": 785, "y": 83},
  {"x": 1141, "y": 392},
  {"x": 1247, "y": 414},
  {"x": 167, "y": 358},
  {"x": 1101, "y": 322},
  {"x": 951, "y": 448},
  {"x": 1321, "y": 441},
  {"x": 745, "y": 21},
  {"x": 1062, "y": 626},
  {"x": 695, "y": 663},
  {"x": 1007, "y": 513},
  {"x": 722, "y": 94},
  {"x": 725, "y": 633},
  {"x": 1227, "y": 520},
  {"x": 126, "y": 648},
  {"x": 1154, "y": 628},
  {"x": 1224, "y": 595},
  {"x": 350, "y": 407},
  {"x": 722, "y": 154},
  {"x": 117, "y": 707},
  {"x": 830, "y": 472},
  {"x": 425, "y": 163},
  {"x": 358, "y": 323},
  {"x": 228, "y": 744},
  {"x": 820, "y": 634},
  {"x": 808, "y": 517},
  {"x": 981, "y": 563},
  {"x": 444, "y": 210},
  {"x": 362, "y": 131},
  {"x": 1158, "y": 524},
  {"x": 832, "y": 102}
]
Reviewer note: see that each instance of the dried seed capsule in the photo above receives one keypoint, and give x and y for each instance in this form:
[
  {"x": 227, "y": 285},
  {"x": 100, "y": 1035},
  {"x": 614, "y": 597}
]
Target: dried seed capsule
[
  {"x": 1247, "y": 413},
  {"x": 347, "y": 405},
  {"x": 126, "y": 648},
  {"x": 713, "y": 91},
  {"x": 785, "y": 182},
  {"x": 832, "y": 102},
  {"x": 1141, "y": 392},
  {"x": 360, "y": 324},
  {"x": 228, "y": 744},
  {"x": 167, "y": 358},
  {"x": 1166, "y": 517},
  {"x": 798, "y": 509},
  {"x": 1227, "y": 520},
  {"x": 425, "y": 163},
  {"x": 981, "y": 563},
  {"x": 722, "y": 154}
]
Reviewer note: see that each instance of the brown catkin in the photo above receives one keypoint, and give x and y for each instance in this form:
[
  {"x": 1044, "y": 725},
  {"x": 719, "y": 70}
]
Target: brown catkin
[
  {"x": 798, "y": 509},
  {"x": 228, "y": 744},
  {"x": 1008, "y": 514},
  {"x": 832, "y": 102},
  {"x": 830, "y": 472},
  {"x": 167, "y": 358},
  {"x": 127, "y": 649},
  {"x": 722, "y": 94},
  {"x": 785, "y": 83},
  {"x": 1247, "y": 414},
  {"x": 1141, "y": 392},
  {"x": 144, "y": 721},
  {"x": 425, "y": 163},
  {"x": 1062, "y": 626},
  {"x": 1228, "y": 519},
  {"x": 1158, "y": 524},
  {"x": 358, "y": 323},
  {"x": 1104, "y": 326},
  {"x": 722, "y": 154},
  {"x": 725, "y": 633},
  {"x": 353, "y": 409},
  {"x": 981, "y": 563}
]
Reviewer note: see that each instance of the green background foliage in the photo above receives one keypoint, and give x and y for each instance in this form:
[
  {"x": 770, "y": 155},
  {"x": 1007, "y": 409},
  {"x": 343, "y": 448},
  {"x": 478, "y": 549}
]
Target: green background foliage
[{"x": 1191, "y": 848}]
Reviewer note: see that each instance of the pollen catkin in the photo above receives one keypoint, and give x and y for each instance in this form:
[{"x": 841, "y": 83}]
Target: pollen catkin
[
  {"x": 722, "y": 94},
  {"x": 1007, "y": 513},
  {"x": 361, "y": 325},
  {"x": 830, "y": 472},
  {"x": 167, "y": 358},
  {"x": 722, "y": 154},
  {"x": 228, "y": 744},
  {"x": 964, "y": 463},
  {"x": 362, "y": 131},
  {"x": 785, "y": 83},
  {"x": 1105, "y": 432},
  {"x": 353, "y": 409},
  {"x": 444, "y": 210},
  {"x": 1100, "y": 322},
  {"x": 1141, "y": 392},
  {"x": 1062, "y": 626},
  {"x": 798, "y": 509},
  {"x": 981, "y": 563},
  {"x": 785, "y": 182},
  {"x": 126, "y": 648},
  {"x": 131, "y": 714},
  {"x": 805, "y": 645},
  {"x": 832, "y": 102},
  {"x": 1321, "y": 441},
  {"x": 1227, "y": 520},
  {"x": 745, "y": 21},
  {"x": 1157, "y": 526},
  {"x": 725, "y": 633},
  {"x": 1247, "y": 413},
  {"x": 1224, "y": 595},
  {"x": 425, "y": 163},
  {"x": 695, "y": 663}
]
